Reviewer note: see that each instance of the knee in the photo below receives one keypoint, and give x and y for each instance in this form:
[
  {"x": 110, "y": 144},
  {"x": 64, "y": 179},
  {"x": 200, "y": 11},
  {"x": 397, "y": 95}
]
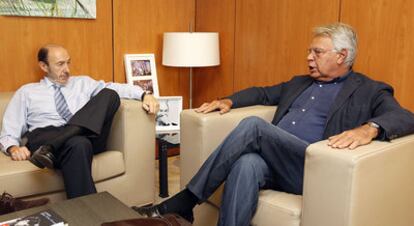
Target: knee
[
  {"x": 252, "y": 121},
  {"x": 111, "y": 95},
  {"x": 250, "y": 164}
]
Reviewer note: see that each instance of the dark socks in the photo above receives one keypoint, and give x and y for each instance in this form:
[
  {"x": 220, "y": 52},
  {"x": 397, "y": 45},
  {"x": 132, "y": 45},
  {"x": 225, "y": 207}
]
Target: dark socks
[
  {"x": 68, "y": 132},
  {"x": 181, "y": 203}
]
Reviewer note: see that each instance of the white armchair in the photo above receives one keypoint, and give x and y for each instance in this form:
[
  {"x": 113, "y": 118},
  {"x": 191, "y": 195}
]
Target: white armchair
[
  {"x": 126, "y": 170},
  {"x": 370, "y": 186}
]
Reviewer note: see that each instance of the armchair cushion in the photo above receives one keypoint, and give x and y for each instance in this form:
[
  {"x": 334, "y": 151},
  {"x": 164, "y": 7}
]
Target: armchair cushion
[{"x": 25, "y": 179}]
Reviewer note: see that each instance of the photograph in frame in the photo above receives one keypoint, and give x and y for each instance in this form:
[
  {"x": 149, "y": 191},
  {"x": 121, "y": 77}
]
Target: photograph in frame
[
  {"x": 141, "y": 68},
  {"x": 141, "y": 71},
  {"x": 168, "y": 117},
  {"x": 145, "y": 84}
]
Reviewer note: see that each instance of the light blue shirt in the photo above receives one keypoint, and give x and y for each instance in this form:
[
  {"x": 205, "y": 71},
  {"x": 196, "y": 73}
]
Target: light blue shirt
[{"x": 33, "y": 105}]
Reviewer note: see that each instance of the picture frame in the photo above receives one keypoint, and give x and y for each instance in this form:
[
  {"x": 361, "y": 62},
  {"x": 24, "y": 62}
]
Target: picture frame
[
  {"x": 84, "y": 9},
  {"x": 168, "y": 117},
  {"x": 141, "y": 71}
]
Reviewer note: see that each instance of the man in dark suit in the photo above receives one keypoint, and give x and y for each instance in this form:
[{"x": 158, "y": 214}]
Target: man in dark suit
[
  {"x": 331, "y": 102},
  {"x": 63, "y": 120}
]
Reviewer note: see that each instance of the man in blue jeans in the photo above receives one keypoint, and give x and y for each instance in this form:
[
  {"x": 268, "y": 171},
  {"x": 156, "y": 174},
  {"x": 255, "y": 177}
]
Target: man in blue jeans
[{"x": 332, "y": 102}]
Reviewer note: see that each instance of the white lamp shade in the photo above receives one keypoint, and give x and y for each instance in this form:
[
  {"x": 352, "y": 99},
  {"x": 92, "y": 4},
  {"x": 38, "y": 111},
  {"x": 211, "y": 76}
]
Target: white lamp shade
[{"x": 191, "y": 49}]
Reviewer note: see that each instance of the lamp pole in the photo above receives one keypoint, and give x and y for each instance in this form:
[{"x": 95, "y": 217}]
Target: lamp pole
[{"x": 191, "y": 87}]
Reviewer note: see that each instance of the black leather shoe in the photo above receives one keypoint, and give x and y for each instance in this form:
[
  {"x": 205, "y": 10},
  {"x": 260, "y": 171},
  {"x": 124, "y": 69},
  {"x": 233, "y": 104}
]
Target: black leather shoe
[
  {"x": 154, "y": 211},
  {"x": 148, "y": 211},
  {"x": 189, "y": 216},
  {"x": 43, "y": 157}
]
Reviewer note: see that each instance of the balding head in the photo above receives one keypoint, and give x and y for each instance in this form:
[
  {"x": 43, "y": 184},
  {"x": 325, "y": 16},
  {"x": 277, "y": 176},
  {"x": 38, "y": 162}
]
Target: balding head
[
  {"x": 54, "y": 60},
  {"x": 43, "y": 53}
]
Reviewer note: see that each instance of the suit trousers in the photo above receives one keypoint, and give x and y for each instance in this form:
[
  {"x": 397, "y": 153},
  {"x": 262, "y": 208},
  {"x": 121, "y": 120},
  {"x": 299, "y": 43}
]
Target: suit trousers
[
  {"x": 255, "y": 155},
  {"x": 74, "y": 158}
]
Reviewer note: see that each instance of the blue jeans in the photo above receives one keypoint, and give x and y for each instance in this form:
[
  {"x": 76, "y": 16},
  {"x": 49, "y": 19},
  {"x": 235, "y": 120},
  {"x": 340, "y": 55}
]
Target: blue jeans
[{"x": 255, "y": 155}]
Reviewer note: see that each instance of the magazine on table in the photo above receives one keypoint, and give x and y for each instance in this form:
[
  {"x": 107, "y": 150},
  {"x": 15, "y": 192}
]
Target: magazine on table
[{"x": 42, "y": 218}]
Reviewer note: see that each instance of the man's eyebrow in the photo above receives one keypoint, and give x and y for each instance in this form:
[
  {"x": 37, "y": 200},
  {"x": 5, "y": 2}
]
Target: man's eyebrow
[{"x": 64, "y": 61}]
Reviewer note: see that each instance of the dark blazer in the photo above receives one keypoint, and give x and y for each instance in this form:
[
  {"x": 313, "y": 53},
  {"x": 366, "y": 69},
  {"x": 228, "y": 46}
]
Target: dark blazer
[{"x": 360, "y": 100}]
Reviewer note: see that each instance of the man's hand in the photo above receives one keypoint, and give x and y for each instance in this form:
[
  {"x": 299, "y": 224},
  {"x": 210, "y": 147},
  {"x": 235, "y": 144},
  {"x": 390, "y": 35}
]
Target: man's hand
[
  {"x": 150, "y": 104},
  {"x": 223, "y": 106},
  {"x": 19, "y": 153},
  {"x": 353, "y": 138}
]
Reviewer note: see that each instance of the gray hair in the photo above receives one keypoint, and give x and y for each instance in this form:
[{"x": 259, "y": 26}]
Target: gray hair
[{"x": 343, "y": 36}]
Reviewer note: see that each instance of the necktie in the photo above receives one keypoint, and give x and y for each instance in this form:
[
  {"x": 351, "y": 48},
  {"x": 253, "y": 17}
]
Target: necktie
[{"x": 61, "y": 105}]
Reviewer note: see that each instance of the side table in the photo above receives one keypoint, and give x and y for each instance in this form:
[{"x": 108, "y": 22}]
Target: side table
[{"x": 165, "y": 141}]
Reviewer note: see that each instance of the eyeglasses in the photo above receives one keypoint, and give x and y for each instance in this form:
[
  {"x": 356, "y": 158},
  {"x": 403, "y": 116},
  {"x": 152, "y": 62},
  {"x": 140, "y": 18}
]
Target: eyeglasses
[{"x": 318, "y": 52}]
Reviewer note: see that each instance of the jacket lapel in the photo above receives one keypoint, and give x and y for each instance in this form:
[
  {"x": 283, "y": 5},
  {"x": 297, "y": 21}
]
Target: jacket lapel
[{"x": 351, "y": 84}]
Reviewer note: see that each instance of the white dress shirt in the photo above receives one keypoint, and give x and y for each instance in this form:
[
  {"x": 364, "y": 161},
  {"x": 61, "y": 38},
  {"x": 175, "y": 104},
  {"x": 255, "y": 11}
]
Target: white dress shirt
[{"x": 33, "y": 105}]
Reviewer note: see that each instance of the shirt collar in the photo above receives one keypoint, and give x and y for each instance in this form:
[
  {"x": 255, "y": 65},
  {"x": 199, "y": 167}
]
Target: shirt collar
[
  {"x": 49, "y": 83},
  {"x": 337, "y": 79}
]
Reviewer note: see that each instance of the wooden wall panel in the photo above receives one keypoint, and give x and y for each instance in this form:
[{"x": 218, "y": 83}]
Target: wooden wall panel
[
  {"x": 272, "y": 38},
  {"x": 386, "y": 46},
  {"x": 213, "y": 82},
  {"x": 138, "y": 28},
  {"x": 88, "y": 41},
  {"x": 261, "y": 42}
]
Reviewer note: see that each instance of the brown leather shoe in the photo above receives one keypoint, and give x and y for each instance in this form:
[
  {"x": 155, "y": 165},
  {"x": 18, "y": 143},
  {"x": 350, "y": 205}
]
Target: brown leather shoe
[{"x": 9, "y": 204}]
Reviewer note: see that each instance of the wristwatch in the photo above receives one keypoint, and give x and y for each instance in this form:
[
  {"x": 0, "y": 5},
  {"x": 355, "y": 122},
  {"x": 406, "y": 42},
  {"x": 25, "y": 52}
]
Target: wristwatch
[
  {"x": 374, "y": 125},
  {"x": 145, "y": 93}
]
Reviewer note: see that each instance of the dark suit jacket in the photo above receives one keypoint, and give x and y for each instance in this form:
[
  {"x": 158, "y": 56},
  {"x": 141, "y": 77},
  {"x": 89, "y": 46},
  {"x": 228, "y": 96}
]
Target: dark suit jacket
[{"x": 359, "y": 101}]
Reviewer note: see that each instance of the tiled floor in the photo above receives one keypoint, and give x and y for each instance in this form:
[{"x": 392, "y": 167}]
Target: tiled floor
[{"x": 173, "y": 177}]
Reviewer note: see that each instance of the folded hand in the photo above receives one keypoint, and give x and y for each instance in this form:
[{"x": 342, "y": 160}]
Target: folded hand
[{"x": 19, "y": 153}]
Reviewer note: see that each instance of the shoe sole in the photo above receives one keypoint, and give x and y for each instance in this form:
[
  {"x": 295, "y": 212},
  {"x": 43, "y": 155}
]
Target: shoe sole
[
  {"x": 36, "y": 163},
  {"x": 42, "y": 162}
]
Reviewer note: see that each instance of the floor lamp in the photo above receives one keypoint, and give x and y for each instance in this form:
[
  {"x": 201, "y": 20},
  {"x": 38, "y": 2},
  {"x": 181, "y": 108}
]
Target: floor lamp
[{"x": 191, "y": 49}]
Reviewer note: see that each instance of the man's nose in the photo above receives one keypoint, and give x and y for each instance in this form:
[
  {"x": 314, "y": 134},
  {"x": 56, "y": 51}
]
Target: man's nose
[
  {"x": 66, "y": 68},
  {"x": 310, "y": 57}
]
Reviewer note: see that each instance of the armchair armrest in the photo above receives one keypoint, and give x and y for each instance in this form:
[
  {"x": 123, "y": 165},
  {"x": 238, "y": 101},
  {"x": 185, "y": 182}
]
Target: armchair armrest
[
  {"x": 133, "y": 131},
  {"x": 133, "y": 134},
  {"x": 202, "y": 133},
  {"x": 371, "y": 185}
]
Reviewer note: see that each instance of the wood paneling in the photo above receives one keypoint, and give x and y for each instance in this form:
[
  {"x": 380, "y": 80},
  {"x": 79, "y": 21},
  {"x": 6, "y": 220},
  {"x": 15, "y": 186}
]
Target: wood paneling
[
  {"x": 272, "y": 38},
  {"x": 213, "y": 82},
  {"x": 138, "y": 28},
  {"x": 386, "y": 46},
  {"x": 88, "y": 41},
  {"x": 261, "y": 42}
]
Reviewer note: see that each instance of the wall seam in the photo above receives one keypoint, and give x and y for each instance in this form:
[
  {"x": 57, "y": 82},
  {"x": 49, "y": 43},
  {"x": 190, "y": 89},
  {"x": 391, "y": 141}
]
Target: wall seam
[
  {"x": 113, "y": 42},
  {"x": 234, "y": 45},
  {"x": 194, "y": 27},
  {"x": 340, "y": 11},
  {"x": 193, "y": 82}
]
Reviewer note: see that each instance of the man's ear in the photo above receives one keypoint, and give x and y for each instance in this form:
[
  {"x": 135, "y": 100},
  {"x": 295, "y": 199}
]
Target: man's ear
[
  {"x": 44, "y": 66},
  {"x": 342, "y": 55}
]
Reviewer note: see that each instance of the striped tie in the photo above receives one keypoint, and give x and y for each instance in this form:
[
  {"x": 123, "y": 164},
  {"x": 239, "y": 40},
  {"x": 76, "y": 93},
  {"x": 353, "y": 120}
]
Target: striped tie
[{"x": 61, "y": 105}]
